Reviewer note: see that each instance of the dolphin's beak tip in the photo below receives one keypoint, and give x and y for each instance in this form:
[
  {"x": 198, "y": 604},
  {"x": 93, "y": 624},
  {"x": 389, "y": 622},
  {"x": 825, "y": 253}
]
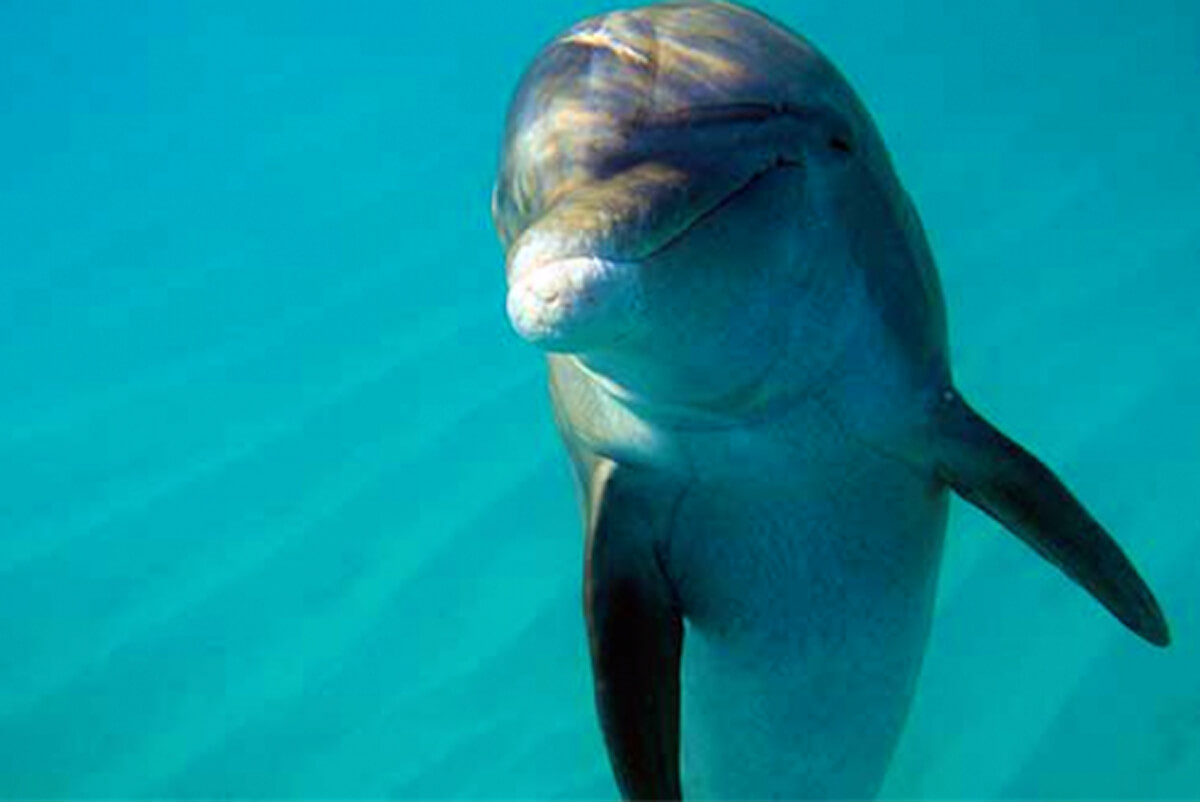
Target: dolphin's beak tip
[{"x": 573, "y": 303}]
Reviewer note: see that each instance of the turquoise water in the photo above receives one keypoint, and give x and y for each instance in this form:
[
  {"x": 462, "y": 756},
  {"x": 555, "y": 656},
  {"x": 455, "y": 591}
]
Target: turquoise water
[{"x": 282, "y": 513}]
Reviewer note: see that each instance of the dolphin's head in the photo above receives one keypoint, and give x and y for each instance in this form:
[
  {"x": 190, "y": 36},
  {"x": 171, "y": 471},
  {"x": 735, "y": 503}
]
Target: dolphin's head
[{"x": 665, "y": 188}]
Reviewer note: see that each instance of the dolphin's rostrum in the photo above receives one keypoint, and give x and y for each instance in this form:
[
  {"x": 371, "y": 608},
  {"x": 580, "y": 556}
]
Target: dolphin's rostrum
[{"x": 749, "y": 367}]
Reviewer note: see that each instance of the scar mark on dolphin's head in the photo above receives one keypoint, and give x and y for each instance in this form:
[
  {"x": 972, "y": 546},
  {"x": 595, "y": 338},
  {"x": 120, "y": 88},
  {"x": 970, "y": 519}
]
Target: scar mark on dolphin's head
[{"x": 601, "y": 38}]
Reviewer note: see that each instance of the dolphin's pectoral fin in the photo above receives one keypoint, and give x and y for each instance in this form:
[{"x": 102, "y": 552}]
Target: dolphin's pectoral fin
[
  {"x": 635, "y": 631},
  {"x": 1004, "y": 480}
]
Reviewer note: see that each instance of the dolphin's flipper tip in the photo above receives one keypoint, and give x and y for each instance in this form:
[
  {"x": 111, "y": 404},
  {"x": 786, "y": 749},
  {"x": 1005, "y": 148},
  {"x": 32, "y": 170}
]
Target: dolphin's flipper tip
[
  {"x": 1004, "y": 480},
  {"x": 1152, "y": 624}
]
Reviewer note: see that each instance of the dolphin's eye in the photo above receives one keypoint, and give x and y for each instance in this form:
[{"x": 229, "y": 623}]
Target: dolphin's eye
[{"x": 840, "y": 144}]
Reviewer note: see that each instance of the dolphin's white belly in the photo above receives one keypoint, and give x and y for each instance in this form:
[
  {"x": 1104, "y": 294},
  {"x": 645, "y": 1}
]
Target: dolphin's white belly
[{"x": 808, "y": 591}]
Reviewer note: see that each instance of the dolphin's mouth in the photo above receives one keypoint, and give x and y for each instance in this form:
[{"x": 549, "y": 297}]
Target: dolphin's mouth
[
  {"x": 571, "y": 293},
  {"x": 574, "y": 273}
]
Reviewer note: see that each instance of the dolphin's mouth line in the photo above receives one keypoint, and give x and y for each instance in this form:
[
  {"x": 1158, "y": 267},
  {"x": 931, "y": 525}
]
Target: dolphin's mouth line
[
  {"x": 703, "y": 120},
  {"x": 591, "y": 296},
  {"x": 750, "y": 112},
  {"x": 781, "y": 163},
  {"x": 617, "y": 253},
  {"x": 772, "y": 129}
]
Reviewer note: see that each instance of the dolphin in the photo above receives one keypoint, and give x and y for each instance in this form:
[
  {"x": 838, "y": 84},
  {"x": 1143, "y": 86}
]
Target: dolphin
[{"x": 748, "y": 365}]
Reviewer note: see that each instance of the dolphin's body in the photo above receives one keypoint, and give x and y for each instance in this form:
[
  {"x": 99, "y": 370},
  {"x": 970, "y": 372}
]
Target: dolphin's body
[{"x": 749, "y": 368}]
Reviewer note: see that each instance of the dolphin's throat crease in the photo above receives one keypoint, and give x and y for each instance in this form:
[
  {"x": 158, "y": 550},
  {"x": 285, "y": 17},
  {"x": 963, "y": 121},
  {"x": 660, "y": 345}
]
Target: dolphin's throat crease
[{"x": 748, "y": 365}]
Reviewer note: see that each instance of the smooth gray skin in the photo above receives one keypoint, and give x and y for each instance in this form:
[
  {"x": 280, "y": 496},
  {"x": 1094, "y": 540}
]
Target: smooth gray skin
[{"x": 749, "y": 367}]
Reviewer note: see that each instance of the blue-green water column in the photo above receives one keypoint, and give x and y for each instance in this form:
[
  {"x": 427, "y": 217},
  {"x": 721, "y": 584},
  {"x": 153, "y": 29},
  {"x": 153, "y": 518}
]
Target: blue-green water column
[{"x": 282, "y": 512}]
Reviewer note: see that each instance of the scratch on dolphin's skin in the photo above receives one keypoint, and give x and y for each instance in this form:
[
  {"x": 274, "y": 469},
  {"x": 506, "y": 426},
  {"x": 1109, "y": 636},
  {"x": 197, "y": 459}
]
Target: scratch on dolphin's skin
[
  {"x": 599, "y": 37},
  {"x": 749, "y": 366}
]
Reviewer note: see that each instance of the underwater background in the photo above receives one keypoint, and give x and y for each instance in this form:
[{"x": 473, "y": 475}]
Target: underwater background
[{"x": 282, "y": 510}]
